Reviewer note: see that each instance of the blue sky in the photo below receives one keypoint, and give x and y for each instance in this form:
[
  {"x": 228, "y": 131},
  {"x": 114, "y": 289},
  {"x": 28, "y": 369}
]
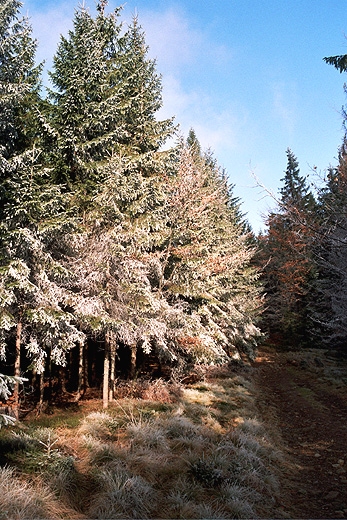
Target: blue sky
[{"x": 247, "y": 75}]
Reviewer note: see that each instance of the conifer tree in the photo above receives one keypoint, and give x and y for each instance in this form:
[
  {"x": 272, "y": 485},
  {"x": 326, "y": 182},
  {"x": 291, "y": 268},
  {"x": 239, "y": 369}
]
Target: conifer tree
[
  {"x": 140, "y": 95},
  {"x": 84, "y": 96},
  {"x": 134, "y": 172},
  {"x": 32, "y": 214},
  {"x": 328, "y": 308},
  {"x": 158, "y": 258},
  {"x": 205, "y": 263},
  {"x": 19, "y": 84},
  {"x": 107, "y": 94},
  {"x": 193, "y": 143},
  {"x": 295, "y": 194},
  {"x": 180, "y": 284},
  {"x": 18, "y": 89},
  {"x": 286, "y": 256}
]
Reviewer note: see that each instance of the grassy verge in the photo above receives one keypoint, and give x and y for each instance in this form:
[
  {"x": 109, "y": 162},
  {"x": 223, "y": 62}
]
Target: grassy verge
[{"x": 197, "y": 451}]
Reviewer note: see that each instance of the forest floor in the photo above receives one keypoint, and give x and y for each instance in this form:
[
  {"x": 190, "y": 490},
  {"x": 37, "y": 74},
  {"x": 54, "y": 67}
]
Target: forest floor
[
  {"x": 302, "y": 401},
  {"x": 268, "y": 440}
]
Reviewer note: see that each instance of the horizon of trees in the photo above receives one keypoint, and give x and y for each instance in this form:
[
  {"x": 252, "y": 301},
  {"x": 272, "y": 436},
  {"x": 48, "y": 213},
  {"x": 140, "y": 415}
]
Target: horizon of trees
[{"x": 118, "y": 256}]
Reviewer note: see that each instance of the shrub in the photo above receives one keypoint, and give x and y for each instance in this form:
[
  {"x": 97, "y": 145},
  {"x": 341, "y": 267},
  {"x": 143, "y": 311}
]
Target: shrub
[
  {"x": 156, "y": 391},
  {"x": 101, "y": 453},
  {"x": 178, "y": 427}
]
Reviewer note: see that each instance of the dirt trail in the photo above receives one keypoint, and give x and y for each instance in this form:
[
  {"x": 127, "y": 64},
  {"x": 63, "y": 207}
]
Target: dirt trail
[{"x": 304, "y": 405}]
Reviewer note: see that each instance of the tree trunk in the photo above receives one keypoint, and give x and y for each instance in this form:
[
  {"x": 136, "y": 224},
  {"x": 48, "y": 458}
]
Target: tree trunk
[
  {"x": 80, "y": 372},
  {"x": 50, "y": 381},
  {"x": 106, "y": 374},
  {"x": 85, "y": 369},
  {"x": 112, "y": 368},
  {"x": 42, "y": 391},
  {"x": 17, "y": 369},
  {"x": 133, "y": 350},
  {"x": 33, "y": 378},
  {"x": 62, "y": 380}
]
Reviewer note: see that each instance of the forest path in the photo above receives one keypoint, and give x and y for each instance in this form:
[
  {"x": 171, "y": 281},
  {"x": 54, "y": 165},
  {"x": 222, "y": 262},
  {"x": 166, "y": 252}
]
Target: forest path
[{"x": 303, "y": 403}]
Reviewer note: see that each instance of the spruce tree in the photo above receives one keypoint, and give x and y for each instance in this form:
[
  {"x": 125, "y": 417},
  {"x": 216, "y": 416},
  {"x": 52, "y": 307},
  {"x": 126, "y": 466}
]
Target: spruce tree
[
  {"x": 105, "y": 95},
  {"x": 295, "y": 194},
  {"x": 328, "y": 310},
  {"x": 140, "y": 95},
  {"x": 193, "y": 142},
  {"x": 286, "y": 257},
  {"x": 19, "y": 84},
  {"x": 205, "y": 263},
  {"x": 84, "y": 98},
  {"x": 33, "y": 215},
  {"x": 105, "y": 101},
  {"x": 18, "y": 94}
]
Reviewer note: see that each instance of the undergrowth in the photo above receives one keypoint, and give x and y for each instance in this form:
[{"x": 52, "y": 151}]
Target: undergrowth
[{"x": 201, "y": 453}]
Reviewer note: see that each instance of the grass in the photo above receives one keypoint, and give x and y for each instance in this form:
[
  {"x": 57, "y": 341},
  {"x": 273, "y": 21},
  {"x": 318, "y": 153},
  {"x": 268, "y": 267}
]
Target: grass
[
  {"x": 20, "y": 499},
  {"x": 57, "y": 417},
  {"x": 99, "y": 425},
  {"x": 122, "y": 494},
  {"x": 201, "y": 454}
]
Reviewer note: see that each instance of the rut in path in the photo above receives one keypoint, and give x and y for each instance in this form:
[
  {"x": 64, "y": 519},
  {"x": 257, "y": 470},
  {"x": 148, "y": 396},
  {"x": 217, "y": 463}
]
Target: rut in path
[{"x": 306, "y": 411}]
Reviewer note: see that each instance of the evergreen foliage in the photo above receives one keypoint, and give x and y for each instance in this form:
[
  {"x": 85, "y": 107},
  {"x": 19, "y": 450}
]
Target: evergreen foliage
[
  {"x": 33, "y": 217},
  {"x": 121, "y": 255},
  {"x": 84, "y": 115},
  {"x": 286, "y": 257},
  {"x": 205, "y": 262},
  {"x": 34, "y": 225},
  {"x": 19, "y": 84},
  {"x": 295, "y": 194},
  {"x": 107, "y": 238},
  {"x": 328, "y": 309},
  {"x": 339, "y": 62},
  {"x": 139, "y": 96}
]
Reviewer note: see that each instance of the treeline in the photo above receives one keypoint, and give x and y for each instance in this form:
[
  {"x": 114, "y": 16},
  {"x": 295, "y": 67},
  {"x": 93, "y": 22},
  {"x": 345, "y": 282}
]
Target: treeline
[
  {"x": 119, "y": 254},
  {"x": 303, "y": 255}
]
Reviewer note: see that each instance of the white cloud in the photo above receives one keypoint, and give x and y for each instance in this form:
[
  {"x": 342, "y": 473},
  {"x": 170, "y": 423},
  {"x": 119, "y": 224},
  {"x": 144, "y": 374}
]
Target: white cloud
[
  {"x": 175, "y": 42},
  {"x": 48, "y": 25},
  {"x": 170, "y": 38},
  {"x": 188, "y": 56},
  {"x": 217, "y": 127},
  {"x": 285, "y": 104},
  {"x": 222, "y": 124}
]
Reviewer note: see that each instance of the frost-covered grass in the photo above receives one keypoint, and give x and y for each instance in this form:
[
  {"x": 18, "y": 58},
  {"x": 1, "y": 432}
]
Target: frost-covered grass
[
  {"x": 202, "y": 455},
  {"x": 22, "y": 500}
]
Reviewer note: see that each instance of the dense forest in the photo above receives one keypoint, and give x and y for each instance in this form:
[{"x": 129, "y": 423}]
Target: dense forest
[{"x": 123, "y": 255}]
